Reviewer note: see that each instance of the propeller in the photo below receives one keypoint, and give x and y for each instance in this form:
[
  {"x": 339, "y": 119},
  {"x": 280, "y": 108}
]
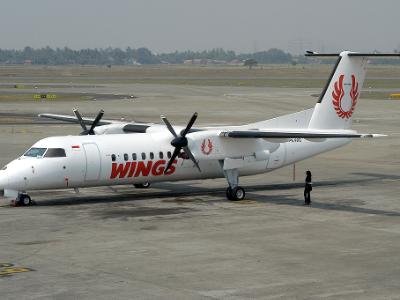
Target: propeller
[
  {"x": 180, "y": 142},
  {"x": 96, "y": 121}
]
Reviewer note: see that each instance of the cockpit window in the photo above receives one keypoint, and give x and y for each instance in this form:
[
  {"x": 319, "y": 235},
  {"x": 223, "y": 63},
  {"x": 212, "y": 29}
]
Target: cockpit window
[
  {"x": 55, "y": 152},
  {"x": 4, "y": 168},
  {"x": 35, "y": 152}
]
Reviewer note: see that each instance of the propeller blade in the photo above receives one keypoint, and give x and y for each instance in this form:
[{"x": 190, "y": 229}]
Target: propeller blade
[
  {"x": 190, "y": 124},
  {"x": 169, "y": 126},
  {"x": 173, "y": 157},
  {"x": 96, "y": 122},
  {"x": 180, "y": 142},
  {"x": 189, "y": 153},
  {"x": 80, "y": 120}
]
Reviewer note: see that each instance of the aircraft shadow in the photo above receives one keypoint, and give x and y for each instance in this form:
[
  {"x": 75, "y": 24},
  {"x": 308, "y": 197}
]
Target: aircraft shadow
[
  {"x": 295, "y": 201},
  {"x": 186, "y": 193}
]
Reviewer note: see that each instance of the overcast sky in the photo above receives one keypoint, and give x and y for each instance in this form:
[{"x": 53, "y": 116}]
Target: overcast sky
[{"x": 168, "y": 25}]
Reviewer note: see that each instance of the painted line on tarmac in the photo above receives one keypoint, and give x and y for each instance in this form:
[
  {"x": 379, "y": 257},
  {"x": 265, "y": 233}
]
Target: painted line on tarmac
[
  {"x": 245, "y": 202},
  {"x": 8, "y": 269},
  {"x": 390, "y": 180}
]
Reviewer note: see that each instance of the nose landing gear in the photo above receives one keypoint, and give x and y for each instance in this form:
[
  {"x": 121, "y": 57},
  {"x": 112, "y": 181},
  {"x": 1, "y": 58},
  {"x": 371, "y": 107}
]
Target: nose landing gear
[{"x": 145, "y": 185}]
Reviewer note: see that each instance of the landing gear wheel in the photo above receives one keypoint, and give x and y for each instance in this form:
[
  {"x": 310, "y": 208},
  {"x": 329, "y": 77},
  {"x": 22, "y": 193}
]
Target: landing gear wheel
[
  {"x": 235, "y": 194},
  {"x": 24, "y": 200},
  {"x": 238, "y": 193},
  {"x": 229, "y": 193},
  {"x": 145, "y": 185}
]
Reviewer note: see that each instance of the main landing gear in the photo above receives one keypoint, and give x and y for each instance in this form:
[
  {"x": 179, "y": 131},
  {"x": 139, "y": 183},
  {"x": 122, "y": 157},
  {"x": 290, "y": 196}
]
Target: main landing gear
[
  {"x": 234, "y": 192},
  {"x": 24, "y": 200}
]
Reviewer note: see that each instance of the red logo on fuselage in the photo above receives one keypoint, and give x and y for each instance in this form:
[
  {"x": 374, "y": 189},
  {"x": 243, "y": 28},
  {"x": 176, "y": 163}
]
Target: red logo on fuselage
[
  {"x": 141, "y": 168},
  {"x": 338, "y": 94},
  {"x": 206, "y": 146}
]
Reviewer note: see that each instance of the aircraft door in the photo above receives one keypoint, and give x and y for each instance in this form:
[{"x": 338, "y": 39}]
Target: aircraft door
[{"x": 93, "y": 163}]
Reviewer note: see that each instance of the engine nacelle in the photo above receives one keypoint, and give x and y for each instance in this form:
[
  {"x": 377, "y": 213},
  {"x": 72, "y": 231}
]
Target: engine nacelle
[
  {"x": 209, "y": 145},
  {"x": 262, "y": 155},
  {"x": 110, "y": 129},
  {"x": 206, "y": 145}
]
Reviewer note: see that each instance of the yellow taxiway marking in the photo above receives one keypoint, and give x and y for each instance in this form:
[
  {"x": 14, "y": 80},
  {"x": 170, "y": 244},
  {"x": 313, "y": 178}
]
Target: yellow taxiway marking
[
  {"x": 7, "y": 269},
  {"x": 389, "y": 180}
]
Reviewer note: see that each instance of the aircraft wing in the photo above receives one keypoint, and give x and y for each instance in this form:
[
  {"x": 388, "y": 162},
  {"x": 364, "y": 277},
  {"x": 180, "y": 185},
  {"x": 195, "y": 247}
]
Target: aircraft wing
[
  {"x": 73, "y": 119},
  {"x": 288, "y": 134}
]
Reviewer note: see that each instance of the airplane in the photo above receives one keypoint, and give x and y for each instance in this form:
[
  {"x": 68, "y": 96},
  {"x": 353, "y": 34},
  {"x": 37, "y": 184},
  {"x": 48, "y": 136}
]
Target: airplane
[{"x": 112, "y": 153}]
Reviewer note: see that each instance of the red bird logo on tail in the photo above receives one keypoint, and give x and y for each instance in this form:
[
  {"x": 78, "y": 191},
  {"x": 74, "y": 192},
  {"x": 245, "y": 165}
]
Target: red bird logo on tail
[{"x": 338, "y": 94}]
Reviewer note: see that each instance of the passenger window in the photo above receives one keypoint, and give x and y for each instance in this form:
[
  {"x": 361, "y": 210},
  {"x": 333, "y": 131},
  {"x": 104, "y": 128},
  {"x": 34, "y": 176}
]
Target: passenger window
[
  {"x": 126, "y": 157},
  {"x": 161, "y": 155},
  {"x": 55, "y": 152},
  {"x": 169, "y": 155},
  {"x": 143, "y": 155},
  {"x": 113, "y": 157},
  {"x": 134, "y": 157},
  {"x": 151, "y": 155}
]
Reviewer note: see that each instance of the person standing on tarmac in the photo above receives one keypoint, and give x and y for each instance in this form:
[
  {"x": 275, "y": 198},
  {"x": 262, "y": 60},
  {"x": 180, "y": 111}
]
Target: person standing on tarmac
[{"x": 308, "y": 188}]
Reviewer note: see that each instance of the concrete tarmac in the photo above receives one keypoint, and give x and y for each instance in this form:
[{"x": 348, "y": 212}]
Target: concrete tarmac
[{"x": 185, "y": 240}]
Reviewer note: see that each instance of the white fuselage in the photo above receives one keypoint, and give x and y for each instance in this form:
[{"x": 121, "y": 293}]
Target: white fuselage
[{"x": 105, "y": 160}]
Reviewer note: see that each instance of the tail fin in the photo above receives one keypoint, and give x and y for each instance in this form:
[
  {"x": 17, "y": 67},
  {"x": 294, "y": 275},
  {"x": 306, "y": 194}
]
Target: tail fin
[{"x": 338, "y": 100}]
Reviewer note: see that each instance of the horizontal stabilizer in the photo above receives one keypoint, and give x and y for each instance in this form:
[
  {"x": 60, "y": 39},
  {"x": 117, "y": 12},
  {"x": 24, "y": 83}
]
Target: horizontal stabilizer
[{"x": 316, "y": 54}]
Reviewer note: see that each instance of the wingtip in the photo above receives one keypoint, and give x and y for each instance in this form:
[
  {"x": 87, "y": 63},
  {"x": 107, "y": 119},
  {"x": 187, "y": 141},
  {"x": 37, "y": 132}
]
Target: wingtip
[{"x": 373, "y": 135}]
